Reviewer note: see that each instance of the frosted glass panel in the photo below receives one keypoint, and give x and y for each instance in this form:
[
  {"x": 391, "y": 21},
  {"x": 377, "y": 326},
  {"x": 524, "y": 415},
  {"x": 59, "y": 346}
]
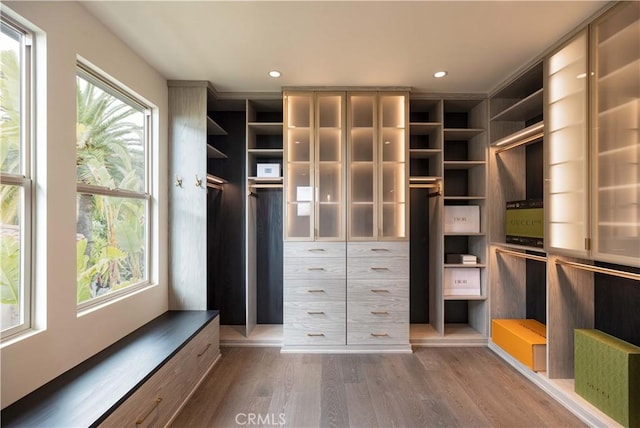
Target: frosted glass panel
[
  {"x": 299, "y": 146},
  {"x": 299, "y": 183},
  {"x": 299, "y": 110},
  {"x": 617, "y": 144},
  {"x": 329, "y": 183},
  {"x": 330, "y": 147},
  {"x": 329, "y": 111},
  {"x": 362, "y": 110},
  {"x": 362, "y": 221},
  {"x": 393, "y": 148},
  {"x": 362, "y": 145},
  {"x": 299, "y": 220},
  {"x": 393, "y": 111},
  {"x": 329, "y": 216},
  {"x": 362, "y": 182},
  {"x": 393, "y": 220},
  {"x": 567, "y": 201},
  {"x": 393, "y": 183}
]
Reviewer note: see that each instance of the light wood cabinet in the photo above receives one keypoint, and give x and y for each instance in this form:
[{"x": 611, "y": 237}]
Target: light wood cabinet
[{"x": 162, "y": 396}]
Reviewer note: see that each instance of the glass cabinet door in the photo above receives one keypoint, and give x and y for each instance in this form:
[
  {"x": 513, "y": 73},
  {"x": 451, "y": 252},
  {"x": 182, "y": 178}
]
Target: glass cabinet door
[
  {"x": 393, "y": 171},
  {"x": 329, "y": 177},
  {"x": 362, "y": 216},
  {"x": 299, "y": 182},
  {"x": 616, "y": 135},
  {"x": 567, "y": 149}
]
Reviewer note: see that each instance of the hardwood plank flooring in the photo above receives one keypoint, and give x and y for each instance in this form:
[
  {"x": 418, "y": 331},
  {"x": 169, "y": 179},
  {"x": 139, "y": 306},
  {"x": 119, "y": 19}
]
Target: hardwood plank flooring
[{"x": 433, "y": 387}]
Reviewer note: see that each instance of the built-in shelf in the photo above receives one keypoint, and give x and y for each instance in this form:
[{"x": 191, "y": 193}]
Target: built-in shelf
[
  {"x": 461, "y": 265},
  {"x": 462, "y": 164},
  {"x": 424, "y": 128},
  {"x": 266, "y": 128},
  {"x": 464, "y": 198},
  {"x": 424, "y": 153},
  {"x": 214, "y": 153},
  {"x": 523, "y": 110},
  {"x": 423, "y": 179},
  {"x": 464, "y": 133},
  {"x": 464, "y": 234},
  {"x": 266, "y": 179},
  {"x": 518, "y": 247},
  {"x": 266, "y": 153},
  {"x": 213, "y": 128}
]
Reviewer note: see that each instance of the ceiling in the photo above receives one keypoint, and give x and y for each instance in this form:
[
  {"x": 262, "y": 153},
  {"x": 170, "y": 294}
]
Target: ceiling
[{"x": 234, "y": 44}]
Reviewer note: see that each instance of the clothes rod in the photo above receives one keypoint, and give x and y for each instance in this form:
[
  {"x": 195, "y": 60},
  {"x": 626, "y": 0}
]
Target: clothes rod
[
  {"x": 521, "y": 255},
  {"x": 424, "y": 186},
  {"x": 598, "y": 269},
  {"x": 214, "y": 186}
]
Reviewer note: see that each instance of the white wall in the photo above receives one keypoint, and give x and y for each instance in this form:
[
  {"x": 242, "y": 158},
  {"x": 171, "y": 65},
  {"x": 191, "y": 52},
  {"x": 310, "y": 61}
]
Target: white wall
[{"x": 62, "y": 339}]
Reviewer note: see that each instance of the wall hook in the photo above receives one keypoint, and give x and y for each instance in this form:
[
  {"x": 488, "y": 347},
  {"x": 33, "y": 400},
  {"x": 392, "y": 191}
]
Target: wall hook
[
  {"x": 198, "y": 181},
  {"x": 178, "y": 181}
]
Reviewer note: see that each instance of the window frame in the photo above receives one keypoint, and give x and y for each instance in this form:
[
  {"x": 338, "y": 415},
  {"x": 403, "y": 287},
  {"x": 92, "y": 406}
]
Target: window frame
[
  {"x": 109, "y": 85},
  {"x": 24, "y": 178}
]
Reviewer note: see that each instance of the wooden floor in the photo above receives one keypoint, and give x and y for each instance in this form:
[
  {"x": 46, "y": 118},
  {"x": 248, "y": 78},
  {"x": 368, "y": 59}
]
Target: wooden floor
[{"x": 440, "y": 387}]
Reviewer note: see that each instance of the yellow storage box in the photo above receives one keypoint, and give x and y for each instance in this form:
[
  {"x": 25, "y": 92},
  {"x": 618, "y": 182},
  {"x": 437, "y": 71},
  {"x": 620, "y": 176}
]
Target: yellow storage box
[{"x": 525, "y": 340}]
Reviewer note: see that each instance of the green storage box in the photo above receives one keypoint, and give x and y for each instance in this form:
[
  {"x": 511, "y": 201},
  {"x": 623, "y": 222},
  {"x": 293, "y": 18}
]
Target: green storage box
[{"x": 607, "y": 372}]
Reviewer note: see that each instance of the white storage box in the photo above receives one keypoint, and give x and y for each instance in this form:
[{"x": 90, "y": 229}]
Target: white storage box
[
  {"x": 461, "y": 219},
  {"x": 271, "y": 170},
  {"x": 462, "y": 282}
]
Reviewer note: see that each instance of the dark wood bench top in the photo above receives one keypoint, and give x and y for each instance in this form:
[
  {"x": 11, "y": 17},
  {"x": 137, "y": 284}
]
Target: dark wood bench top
[{"x": 86, "y": 394}]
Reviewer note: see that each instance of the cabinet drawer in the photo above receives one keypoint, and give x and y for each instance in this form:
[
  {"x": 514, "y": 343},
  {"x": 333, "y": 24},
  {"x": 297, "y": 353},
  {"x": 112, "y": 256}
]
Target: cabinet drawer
[
  {"x": 374, "y": 313},
  {"x": 314, "y": 334},
  {"x": 302, "y": 290},
  {"x": 377, "y": 268},
  {"x": 377, "y": 334},
  {"x": 378, "y": 249},
  {"x": 314, "y": 312},
  {"x": 314, "y": 268},
  {"x": 160, "y": 397},
  {"x": 391, "y": 290},
  {"x": 314, "y": 249}
]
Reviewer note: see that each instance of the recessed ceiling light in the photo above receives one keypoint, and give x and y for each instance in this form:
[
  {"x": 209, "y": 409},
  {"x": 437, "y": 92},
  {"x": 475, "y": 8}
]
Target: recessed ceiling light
[
  {"x": 439, "y": 74},
  {"x": 274, "y": 73}
]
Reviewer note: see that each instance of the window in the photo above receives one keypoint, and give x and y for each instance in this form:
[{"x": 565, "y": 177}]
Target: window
[
  {"x": 113, "y": 195},
  {"x": 16, "y": 182}
]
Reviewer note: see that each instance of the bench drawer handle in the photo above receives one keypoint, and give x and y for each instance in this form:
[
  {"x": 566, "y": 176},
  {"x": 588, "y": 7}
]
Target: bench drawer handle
[
  {"x": 379, "y": 290},
  {"x": 380, "y": 334},
  {"x": 204, "y": 350},
  {"x": 380, "y": 312},
  {"x": 380, "y": 250},
  {"x": 380, "y": 269},
  {"x": 315, "y": 268},
  {"x": 315, "y": 291},
  {"x": 316, "y": 250},
  {"x": 315, "y": 334},
  {"x": 315, "y": 312},
  {"x": 140, "y": 421}
]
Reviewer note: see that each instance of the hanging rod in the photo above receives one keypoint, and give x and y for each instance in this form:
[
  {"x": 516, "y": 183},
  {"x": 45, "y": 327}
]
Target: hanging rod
[
  {"x": 521, "y": 255},
  {"x": 424, "y": 186},
  {"x": 524, "y": 136},
  {"x": 598, "y": 269},
  {"x": 214, "y": 186}
]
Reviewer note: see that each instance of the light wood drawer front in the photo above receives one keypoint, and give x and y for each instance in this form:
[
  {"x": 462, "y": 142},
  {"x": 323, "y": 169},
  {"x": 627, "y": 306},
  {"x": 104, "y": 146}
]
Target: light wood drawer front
[
  {"x": 314, "y": 312},
  {"x": 314, "y": 335},
  {"x": 377, "y": 334},
  {"x": 379, "y": 291},
  {"x": 380, "y": 312},
  {"x": 314, "y": 268},
  {"x": 301, "y": 290},
  {"x": 378, "y": 249},
  {"x": 377, "y": 268},
  {"x": 315, "y": 249},
  {"x": 158, "y": 399}
]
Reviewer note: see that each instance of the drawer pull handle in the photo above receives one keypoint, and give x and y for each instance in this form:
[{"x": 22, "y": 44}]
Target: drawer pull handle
[
  {"x": 380, "y": 250},
  {"x": 315, "y": 291},
  {"x": 380, "y": 269},
  {"x": 379, "y": 290},
  {"x": 315, "y": 268},
  {"x": 314, "y": 250},
  {"x": 315, "y": 312},
  {"x": 380, "y": 312},
  {"x": 379, "y": 334},
  {"x": 315, "y": 334},
  {"x": 204, "y": 350},
  {"x": 140, "y": 421}
]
